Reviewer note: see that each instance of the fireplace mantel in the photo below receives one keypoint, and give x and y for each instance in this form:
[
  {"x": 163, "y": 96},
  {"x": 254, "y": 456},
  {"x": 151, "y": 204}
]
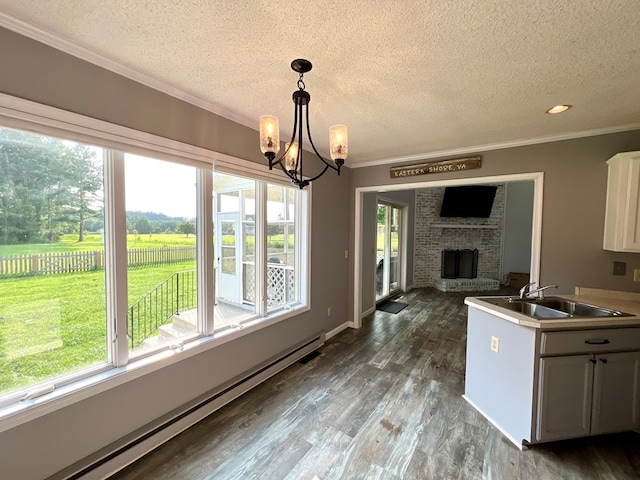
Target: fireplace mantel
[{"x": 462, "y": 225}]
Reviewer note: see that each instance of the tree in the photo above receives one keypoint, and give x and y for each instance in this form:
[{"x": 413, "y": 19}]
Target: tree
[
  {"x": 28, "y": 186},
  {"x": 142, "y": 225},
  {"x": 187, "y": 228},
  {"x": 47, "y": 187},
  {"x": 85, "y": 183}
]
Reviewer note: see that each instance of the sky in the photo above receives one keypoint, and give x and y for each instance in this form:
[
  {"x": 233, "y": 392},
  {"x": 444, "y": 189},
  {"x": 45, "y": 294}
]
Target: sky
[{"x": 161, "y": 187}]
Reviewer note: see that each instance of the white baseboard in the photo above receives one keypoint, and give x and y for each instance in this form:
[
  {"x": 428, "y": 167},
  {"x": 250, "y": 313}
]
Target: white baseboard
[
  {"x": 337, "y": 330},
  {"x": 122, "y": 453},
  {"x": 368, "y": 312}
]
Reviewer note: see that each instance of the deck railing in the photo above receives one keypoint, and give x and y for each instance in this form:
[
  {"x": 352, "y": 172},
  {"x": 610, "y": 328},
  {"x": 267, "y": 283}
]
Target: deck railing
[{"x": 175, "y": 294}]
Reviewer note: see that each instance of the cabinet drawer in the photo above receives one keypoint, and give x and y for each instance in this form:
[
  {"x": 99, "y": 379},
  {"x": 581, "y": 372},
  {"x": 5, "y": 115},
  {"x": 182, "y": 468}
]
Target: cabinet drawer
[{"x": 590, "y": 341}]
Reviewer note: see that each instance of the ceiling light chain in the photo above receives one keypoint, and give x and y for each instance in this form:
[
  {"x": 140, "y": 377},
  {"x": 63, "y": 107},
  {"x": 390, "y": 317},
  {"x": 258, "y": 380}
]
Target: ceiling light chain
[{"x": 291, "y": 159}]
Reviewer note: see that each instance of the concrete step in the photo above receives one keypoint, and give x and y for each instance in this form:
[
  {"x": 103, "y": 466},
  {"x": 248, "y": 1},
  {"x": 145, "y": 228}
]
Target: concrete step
[
  {"x": 172, "y": 332},
  {"x": 186, "y": 320}
]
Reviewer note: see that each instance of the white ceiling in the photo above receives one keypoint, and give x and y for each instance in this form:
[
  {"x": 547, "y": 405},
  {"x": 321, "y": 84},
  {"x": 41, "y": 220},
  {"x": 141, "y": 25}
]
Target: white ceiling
[{"x": 412, "y": 79}]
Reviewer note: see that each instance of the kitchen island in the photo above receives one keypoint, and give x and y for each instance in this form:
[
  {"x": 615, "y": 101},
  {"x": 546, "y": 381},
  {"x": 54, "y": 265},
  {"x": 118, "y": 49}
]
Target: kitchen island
[{"x": 544, "y": 379}]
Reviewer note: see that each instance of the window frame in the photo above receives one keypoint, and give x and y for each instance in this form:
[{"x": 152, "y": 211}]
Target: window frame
[{"x": 124, "y": 367}]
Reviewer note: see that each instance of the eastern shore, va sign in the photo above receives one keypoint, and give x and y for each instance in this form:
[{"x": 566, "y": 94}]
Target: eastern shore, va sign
[{"x": 441, "y": 166}]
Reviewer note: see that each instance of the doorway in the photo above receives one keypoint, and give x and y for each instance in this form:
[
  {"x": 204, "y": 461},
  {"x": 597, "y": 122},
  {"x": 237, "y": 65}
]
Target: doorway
[
  {"x": 388, "y": 245},
  {"x": 229, "y": 257},
  {"x": 365, "y": 204}
]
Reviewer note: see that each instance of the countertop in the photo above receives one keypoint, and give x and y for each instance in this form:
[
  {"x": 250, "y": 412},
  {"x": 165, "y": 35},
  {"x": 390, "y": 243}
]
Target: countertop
[{"x": 627, "y": 302}]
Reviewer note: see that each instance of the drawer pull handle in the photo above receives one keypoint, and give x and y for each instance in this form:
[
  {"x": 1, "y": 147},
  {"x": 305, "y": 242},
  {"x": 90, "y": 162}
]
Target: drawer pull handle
[
  {"x": 597, "y": 342},
  {"x": 593, "y": 361},
  {"x": 603, "y": 360}
]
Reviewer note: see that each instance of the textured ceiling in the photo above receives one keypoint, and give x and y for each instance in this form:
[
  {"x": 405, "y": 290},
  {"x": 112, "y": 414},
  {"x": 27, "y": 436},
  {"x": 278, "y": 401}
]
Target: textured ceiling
[{"x": 410, "y": 78}]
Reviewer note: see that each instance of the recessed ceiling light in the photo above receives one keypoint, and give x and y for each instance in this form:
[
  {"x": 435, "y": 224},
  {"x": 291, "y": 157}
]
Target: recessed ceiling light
[{"x": 558, "y": 109}]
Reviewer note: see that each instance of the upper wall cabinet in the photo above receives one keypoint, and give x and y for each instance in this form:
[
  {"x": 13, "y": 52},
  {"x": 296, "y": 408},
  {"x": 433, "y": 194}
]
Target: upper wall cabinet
[{"x": 622, "y": 217}]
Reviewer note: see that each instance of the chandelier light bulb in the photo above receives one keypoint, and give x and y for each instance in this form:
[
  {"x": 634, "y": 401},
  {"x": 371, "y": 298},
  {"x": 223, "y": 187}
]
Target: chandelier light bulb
[
  {"x": 269, "y": 134},
  {"x": 291, "y": 157},
  {"x": 338, "y": 142}
]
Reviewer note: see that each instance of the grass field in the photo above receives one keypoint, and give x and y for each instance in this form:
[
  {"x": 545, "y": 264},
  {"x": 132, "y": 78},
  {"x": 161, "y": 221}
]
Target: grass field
[
  {"x": 55, "y": 324},
  {"x": 93, "y": 241},
  {"x": 51, "y": 325}
]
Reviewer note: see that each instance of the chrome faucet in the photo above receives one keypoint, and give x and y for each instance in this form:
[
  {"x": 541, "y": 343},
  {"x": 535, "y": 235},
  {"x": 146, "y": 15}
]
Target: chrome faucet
[
  {"x": 527, "y": 292},
  {"x": 524, "y": 291}
]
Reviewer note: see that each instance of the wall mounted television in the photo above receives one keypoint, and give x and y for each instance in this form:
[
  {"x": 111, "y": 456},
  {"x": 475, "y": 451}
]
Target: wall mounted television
[{"x": 468, "y": 201}]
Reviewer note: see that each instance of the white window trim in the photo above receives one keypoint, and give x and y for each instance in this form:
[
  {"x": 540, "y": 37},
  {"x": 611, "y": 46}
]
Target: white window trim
[{"x": 30, "y": 116}]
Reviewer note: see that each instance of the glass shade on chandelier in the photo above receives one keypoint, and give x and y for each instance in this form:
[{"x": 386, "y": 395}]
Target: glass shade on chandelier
[
  {"x": 291, "y": 160},
  {"x": 269, "y": 134}
]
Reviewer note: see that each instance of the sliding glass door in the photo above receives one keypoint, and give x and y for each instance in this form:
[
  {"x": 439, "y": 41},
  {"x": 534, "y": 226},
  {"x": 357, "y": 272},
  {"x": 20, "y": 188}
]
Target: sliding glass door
[{"x": 388, "y": 255}]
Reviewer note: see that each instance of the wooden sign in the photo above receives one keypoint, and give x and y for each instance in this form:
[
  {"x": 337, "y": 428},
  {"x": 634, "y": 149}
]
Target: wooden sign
[{"x": 441, "y": 166}]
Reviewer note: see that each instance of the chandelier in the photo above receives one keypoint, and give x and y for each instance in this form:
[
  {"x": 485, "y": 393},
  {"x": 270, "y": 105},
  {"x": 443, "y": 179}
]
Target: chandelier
[{"x": 291, "y": 159}]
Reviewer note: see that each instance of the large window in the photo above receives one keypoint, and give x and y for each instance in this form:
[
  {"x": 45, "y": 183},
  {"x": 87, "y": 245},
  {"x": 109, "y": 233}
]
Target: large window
[
  {"x": 256, "y": 252},
  {"x": 108, "y": 257},
  {"x": 161, "y": 249},
  {"x": 52, "y": 277}
]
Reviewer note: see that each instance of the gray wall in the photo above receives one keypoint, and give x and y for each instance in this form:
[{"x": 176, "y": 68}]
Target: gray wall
[
  {"x": 575, "y": 184},
  {"x": 518, "y": 219},
  {"x": 46, "y": 445}
]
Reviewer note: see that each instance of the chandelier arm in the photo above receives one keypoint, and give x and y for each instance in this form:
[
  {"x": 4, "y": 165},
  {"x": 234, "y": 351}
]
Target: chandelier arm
[
  {"x": 320, "y": 174},
  {"x": 326, "y": 162},
  {"x": 286, "y": 172}
]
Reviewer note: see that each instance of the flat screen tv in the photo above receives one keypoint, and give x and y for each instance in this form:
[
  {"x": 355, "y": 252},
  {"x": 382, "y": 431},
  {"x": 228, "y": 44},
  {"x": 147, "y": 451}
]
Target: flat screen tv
[{"x": 468, "y": 201}]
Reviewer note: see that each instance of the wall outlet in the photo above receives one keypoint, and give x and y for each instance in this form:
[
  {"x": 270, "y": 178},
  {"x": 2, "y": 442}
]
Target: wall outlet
[
  {"x": 329, "y": 312},
  {"x": 346, "y": 254},
  {"x": 636, "y": 274},
  {"x": 495, "y": 344},
  {"x": 619, "y": 268}
]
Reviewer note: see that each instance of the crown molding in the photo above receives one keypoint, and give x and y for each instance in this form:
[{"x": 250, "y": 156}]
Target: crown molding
[
  {"x": 64, "y": 45},
  {"x": 496, "y": 146}
]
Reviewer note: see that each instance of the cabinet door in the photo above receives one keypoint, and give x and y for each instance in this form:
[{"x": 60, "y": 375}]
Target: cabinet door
[
  {"x": 622, "y": 217},
  {"x": 615, "y": 392},
  {"x": 564, "y": 397},
  {"x": 631, "y": 232}
]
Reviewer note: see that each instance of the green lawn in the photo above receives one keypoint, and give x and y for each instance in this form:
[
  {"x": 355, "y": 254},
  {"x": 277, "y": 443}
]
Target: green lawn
[
  {"x": 51, "y": 325},
  {"x": 55, "y": 324}
]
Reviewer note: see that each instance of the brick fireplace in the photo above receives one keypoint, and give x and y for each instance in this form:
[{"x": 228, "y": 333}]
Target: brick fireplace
[{"x": 435, "y": 234}]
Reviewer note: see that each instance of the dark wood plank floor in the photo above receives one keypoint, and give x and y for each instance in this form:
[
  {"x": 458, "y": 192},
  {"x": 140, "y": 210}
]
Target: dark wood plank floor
[{"x": 382, "y": 402}]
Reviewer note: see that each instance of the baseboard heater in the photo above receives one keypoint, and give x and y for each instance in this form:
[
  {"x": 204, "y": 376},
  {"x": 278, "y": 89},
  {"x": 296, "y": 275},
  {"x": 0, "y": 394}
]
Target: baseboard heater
[{"x": 127, "y": 450}]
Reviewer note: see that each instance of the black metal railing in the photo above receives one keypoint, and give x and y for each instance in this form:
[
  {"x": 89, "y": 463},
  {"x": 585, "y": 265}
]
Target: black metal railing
[{"x": 176, "y": 293}]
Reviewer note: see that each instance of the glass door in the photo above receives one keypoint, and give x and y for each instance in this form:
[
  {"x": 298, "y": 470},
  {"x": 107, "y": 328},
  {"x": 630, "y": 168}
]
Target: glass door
[
  {"x": 389, "y": 227},
  {"x": 229, "y": 263}
]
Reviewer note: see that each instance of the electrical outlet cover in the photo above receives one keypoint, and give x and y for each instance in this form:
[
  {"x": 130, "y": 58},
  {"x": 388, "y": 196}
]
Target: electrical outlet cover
[{"x": 495, "y": 344}]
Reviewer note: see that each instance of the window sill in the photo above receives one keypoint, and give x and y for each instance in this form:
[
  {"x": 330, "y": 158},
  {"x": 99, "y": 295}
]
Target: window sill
[{"x": 21, "y": 412}]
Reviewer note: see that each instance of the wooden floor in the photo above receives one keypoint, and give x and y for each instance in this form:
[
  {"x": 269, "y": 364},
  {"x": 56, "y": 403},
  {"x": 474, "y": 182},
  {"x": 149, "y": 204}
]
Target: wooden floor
[{"x": 381, "y": 402}]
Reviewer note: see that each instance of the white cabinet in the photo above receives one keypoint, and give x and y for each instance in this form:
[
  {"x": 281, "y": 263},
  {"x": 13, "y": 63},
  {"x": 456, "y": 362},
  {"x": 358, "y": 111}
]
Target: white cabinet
[
  {"x": 588, "y": 394},
  {"x": 547, "y": 384},
  {"x": 622, "y": 217},
  {"x": 564, "y": 397},
  {"x": 615, "y": 393}
]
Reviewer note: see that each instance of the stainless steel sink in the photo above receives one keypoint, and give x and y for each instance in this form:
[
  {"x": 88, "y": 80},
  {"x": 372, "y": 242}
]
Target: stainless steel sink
[
  {"x": 579, "y": 309},
  {"x": 532, "y": 309},
  {"x": 554, "y": 308}
]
